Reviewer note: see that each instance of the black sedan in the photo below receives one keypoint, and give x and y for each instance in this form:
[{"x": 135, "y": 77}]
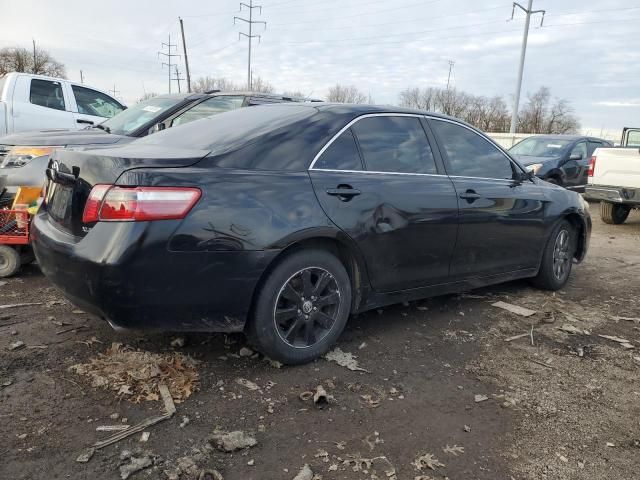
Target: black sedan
[
  {"x": 282, "y": 220},
  {"x": 24, "y": 156},
  {"x": 559, "y": 159}
]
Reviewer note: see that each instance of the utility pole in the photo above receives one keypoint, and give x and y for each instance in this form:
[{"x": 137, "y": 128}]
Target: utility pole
[
  {"x": 451, "y": 64},
  {"x": 114, "y": 92},
  {"x": 34, "y": 56},
  {"x": 186, "y": 59},
  {"x": 168, "y": 55},
  {"x": 528, "y": 11},
  {"x": 81, "y": 77},
  {"x": 178, "y": 78},
  {"x": 249, "y": 36}
]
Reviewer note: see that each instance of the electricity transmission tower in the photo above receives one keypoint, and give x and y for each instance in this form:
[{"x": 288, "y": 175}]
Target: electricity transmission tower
[
  {"x": 528, "y": 11},
  {"x": 168, "y": 55},
  {"x": 451, "y": 64},
  {"x": 114, "y": 92},
  {"x": 250, "y": 36},
  {"x": 178, "y": 78}
]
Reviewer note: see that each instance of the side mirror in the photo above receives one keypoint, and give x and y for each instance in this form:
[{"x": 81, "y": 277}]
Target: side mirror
[
  {"x": 158, "y": 127},
  {"x": 576, "y": 156}
]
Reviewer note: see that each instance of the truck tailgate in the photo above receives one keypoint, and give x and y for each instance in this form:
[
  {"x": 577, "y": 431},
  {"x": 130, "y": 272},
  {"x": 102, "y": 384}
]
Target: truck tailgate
[{"x": 616, "y": 167}]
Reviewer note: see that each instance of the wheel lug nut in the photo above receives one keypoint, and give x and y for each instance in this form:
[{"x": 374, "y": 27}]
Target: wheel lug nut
[
  {"x": 306, "y": 316},
  {"x": 299, "y": 311},
  {"x": 315, "y": 308}
]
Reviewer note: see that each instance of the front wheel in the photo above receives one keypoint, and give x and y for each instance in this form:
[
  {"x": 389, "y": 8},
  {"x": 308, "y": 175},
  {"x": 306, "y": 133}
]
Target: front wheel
[
  {"x": 614, "y": 213},
  {"x": 301, "y": 308},
  {"x": 557, "y": 258},
  {"x": 9, "y": 261}
]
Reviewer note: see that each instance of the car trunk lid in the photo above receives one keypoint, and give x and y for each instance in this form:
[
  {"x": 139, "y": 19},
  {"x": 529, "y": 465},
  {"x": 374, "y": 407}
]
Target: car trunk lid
[{"x": 72, "y": 174}]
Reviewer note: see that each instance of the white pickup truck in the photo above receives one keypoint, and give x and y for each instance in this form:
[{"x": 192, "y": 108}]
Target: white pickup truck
[
  {"x": 34, "y": 102},
  {"x": 614, "y": 178}
]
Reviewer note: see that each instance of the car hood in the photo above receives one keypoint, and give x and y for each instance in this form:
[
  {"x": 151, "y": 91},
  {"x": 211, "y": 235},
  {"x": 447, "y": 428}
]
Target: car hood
[
  {"x": 527, "y": 160},
  {"x": 63, "y": 137}
]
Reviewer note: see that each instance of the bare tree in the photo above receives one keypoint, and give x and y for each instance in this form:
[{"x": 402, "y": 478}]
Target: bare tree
[
  {"x": 147, "y": 96},
  {"x": 205, "y": 84},
  {"x": 18, "y": 59},
  {"x": 542, "y": 114},
  {"x": 347, "y": 94},
  {"x": 258, "y": 84}
]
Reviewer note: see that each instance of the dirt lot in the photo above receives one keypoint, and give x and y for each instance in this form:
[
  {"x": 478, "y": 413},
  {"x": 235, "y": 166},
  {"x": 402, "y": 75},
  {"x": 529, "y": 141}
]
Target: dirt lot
[{"x": 566, "y": 407}]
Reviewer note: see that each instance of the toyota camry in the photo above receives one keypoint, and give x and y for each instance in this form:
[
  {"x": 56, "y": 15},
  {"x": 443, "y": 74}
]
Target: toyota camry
[{"x": 282, "y": 220}]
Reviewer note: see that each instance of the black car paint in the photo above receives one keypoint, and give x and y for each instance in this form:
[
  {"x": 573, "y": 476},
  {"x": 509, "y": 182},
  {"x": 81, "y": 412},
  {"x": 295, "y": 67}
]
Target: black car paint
[
  {"x": 567, "y": 172},
  {"x": 201, "y": 273}
]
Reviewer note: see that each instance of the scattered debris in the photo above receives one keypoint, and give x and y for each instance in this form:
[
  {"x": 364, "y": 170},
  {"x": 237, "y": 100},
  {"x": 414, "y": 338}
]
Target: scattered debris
[
  {"x": 16, "y": 305},
  {"x": 135, "y": 465},
  {"x": 540, "y": 363},
  {"x": 185, "y": 422},
  {"x": 372, "y": 442},
  {"x": 232, "y": 441},
  {"x": 455, "y": 450},
  {"x": 370, "y": 401},
  {"x": 568, "y": 328},
  {"x": 362, "y": 345},
  {"x": 78, "y": 312},
  {"x": 138, "y": 374},
  {"x": 17, "y": 345},
  {"x": 178, "y": 342},
  {"x": 627, "y": 319},
  {"x": 245, "y": 352},
  {"x": 305, "y": 473},
  {"x": 516, "y": 337},
  {"x": 273, "y": 363},
  {"x": 344, "y": 359},
  {"x": 247, "y": 384},
  {"x": 480, "y": 398},
  {"x": 89, "y": 342},
  {"x": 251, "y": 462},
  {"x": 144, "y": 437},
  {"x": 518, "y": 310},
  {"x": 323, "y": 454},
  {"x": 306, "y": 395},
  {"x": 112, "y": 428},
  {"x": 320, "y": 397},
  {"x": 427, "y": 460},
  {"x": 466, "y": 428},
  {"x": 85, "y": 456},
  {"x": 622, "y": 341}
]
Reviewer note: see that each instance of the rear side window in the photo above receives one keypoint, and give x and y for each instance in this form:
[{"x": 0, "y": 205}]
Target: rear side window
[
  {"x": 47, "y": 94},
  {"x": 469, "y": 154},
  {"x": 208, "y": 108},
  {"x": 342, "y": 154},
  {"x": 94, "y": 103},
  {"x": 593, "y": 146},
  {"x": 394, "y": 144}
]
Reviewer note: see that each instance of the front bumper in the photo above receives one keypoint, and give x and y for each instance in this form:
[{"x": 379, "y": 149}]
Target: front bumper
[
  {"x": 625, "y": 195},
  {"x": 124, "y": 273}
]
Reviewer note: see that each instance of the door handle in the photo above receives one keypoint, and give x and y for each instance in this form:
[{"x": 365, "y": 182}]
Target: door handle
[
  {"x": 88, "y": 122},
  {"x": 343, "y": 192},
  {"x": 470, "y": 195}
]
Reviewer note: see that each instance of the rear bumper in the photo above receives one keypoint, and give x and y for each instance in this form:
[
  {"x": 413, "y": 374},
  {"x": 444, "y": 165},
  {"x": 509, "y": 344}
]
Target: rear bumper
[
  {"x": 626, "y": 195},
  {"x": 124, "y": 273}
]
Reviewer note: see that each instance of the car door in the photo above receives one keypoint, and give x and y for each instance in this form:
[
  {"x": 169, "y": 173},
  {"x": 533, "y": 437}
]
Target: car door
[
  {"x": 501, "y": 220},
  {"x": 40, "y": 104},
  {"x": 576, "y": 165},
  {"x": 382, "y": 183},
  {"x": 91, "y": 107}
]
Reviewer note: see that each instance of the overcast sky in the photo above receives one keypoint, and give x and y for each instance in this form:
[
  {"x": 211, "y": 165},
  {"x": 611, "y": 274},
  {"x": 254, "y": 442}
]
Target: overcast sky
[{"x": 586, "y": 52}]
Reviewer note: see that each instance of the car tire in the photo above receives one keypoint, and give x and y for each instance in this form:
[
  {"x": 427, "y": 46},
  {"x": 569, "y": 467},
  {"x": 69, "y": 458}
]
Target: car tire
[
  {"x": 614, "y": 213},
  {"x": 9, "y": 261},
  {"x": 294, "y": 329},
  {"x": 557, "y": 258},
  {"x": 27, "y": 256}
]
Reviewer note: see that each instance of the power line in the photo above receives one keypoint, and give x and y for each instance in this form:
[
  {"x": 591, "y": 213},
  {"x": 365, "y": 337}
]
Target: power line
[
  {"x": 168, "y": 55},
  {"x": 528, "y": 11},
  {"x": 250, "y": 35}
]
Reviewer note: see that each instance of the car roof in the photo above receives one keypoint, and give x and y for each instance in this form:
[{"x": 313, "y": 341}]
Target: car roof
[{"x": 569, "y": 137}]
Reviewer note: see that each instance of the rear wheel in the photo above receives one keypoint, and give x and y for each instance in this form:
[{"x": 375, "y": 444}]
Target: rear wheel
[
  {"x": 557, "y": 258},
  {"x": 9, "y": 261},
  {"x": 614, "y": 213},
  {"x": 302, "y": 307}
]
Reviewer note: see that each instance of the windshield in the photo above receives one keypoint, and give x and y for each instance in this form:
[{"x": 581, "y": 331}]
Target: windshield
[
  {"x": 126, "y": 122},
  {"x": 540, "y": 147}
]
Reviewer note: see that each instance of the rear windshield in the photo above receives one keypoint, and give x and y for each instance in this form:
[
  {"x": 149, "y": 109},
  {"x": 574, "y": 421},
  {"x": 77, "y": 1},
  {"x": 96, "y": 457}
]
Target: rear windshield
[
  {"x": 231, "y": 130},
  {"x": 128, "y": 121}
]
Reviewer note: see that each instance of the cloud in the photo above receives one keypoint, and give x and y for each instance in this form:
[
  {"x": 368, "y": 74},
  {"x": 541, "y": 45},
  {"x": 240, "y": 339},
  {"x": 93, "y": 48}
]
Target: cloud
[{"x": 620, "y": 103}]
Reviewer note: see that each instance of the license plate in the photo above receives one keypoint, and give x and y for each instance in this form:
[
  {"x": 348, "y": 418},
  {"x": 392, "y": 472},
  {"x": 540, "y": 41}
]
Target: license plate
[{"x": 59, "y": 200}]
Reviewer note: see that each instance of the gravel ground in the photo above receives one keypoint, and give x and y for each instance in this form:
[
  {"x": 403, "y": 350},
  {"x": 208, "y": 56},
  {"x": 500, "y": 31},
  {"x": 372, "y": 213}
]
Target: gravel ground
[{"x": 558, "y": 405}]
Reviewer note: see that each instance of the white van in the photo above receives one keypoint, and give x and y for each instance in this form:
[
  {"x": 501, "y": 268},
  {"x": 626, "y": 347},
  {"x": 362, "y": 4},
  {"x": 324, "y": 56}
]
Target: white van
[{"x": 35, "y": 102}]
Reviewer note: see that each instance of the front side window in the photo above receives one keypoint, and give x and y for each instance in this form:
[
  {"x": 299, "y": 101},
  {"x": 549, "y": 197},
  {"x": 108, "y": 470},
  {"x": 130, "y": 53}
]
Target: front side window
[
  {"x": 633, "y": 138},
  {"x": 131, "y": 119},
  {"x": 579, "y": 150},
  {"x": 342, "y": 154},
  {"x": 94, "y": 103},
  {"x": 469, "y": 154},
  {"x": 47, "y": 93},
  {"x": 394, "y": 144},
  {"x": 209, "y": 107}
]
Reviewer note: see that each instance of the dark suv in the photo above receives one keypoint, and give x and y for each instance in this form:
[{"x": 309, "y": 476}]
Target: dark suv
[
  {"x": 559, "y": 159},
  {"x": 24, "y": 156}
]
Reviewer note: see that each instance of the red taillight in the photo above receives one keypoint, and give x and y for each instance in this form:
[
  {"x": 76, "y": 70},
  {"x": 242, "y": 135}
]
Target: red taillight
[
  {"x": 592, "y": 166},
  {"x": 110, "y": 203}
]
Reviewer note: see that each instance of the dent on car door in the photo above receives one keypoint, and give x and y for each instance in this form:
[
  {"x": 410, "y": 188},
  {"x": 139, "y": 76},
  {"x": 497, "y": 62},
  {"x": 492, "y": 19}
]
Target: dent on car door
[
  {"x": 379, "y": 182},
  {"x": 501, "y": 221}
]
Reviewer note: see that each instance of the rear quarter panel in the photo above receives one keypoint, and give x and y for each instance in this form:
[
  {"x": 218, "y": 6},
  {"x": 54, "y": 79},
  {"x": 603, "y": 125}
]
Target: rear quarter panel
[{"x": 618, "y": 167}]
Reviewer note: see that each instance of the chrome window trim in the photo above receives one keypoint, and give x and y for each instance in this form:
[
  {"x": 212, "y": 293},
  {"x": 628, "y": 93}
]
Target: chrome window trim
[
  {"x": 377, "y": 173},
  {"x": 348, "y": 125}
]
